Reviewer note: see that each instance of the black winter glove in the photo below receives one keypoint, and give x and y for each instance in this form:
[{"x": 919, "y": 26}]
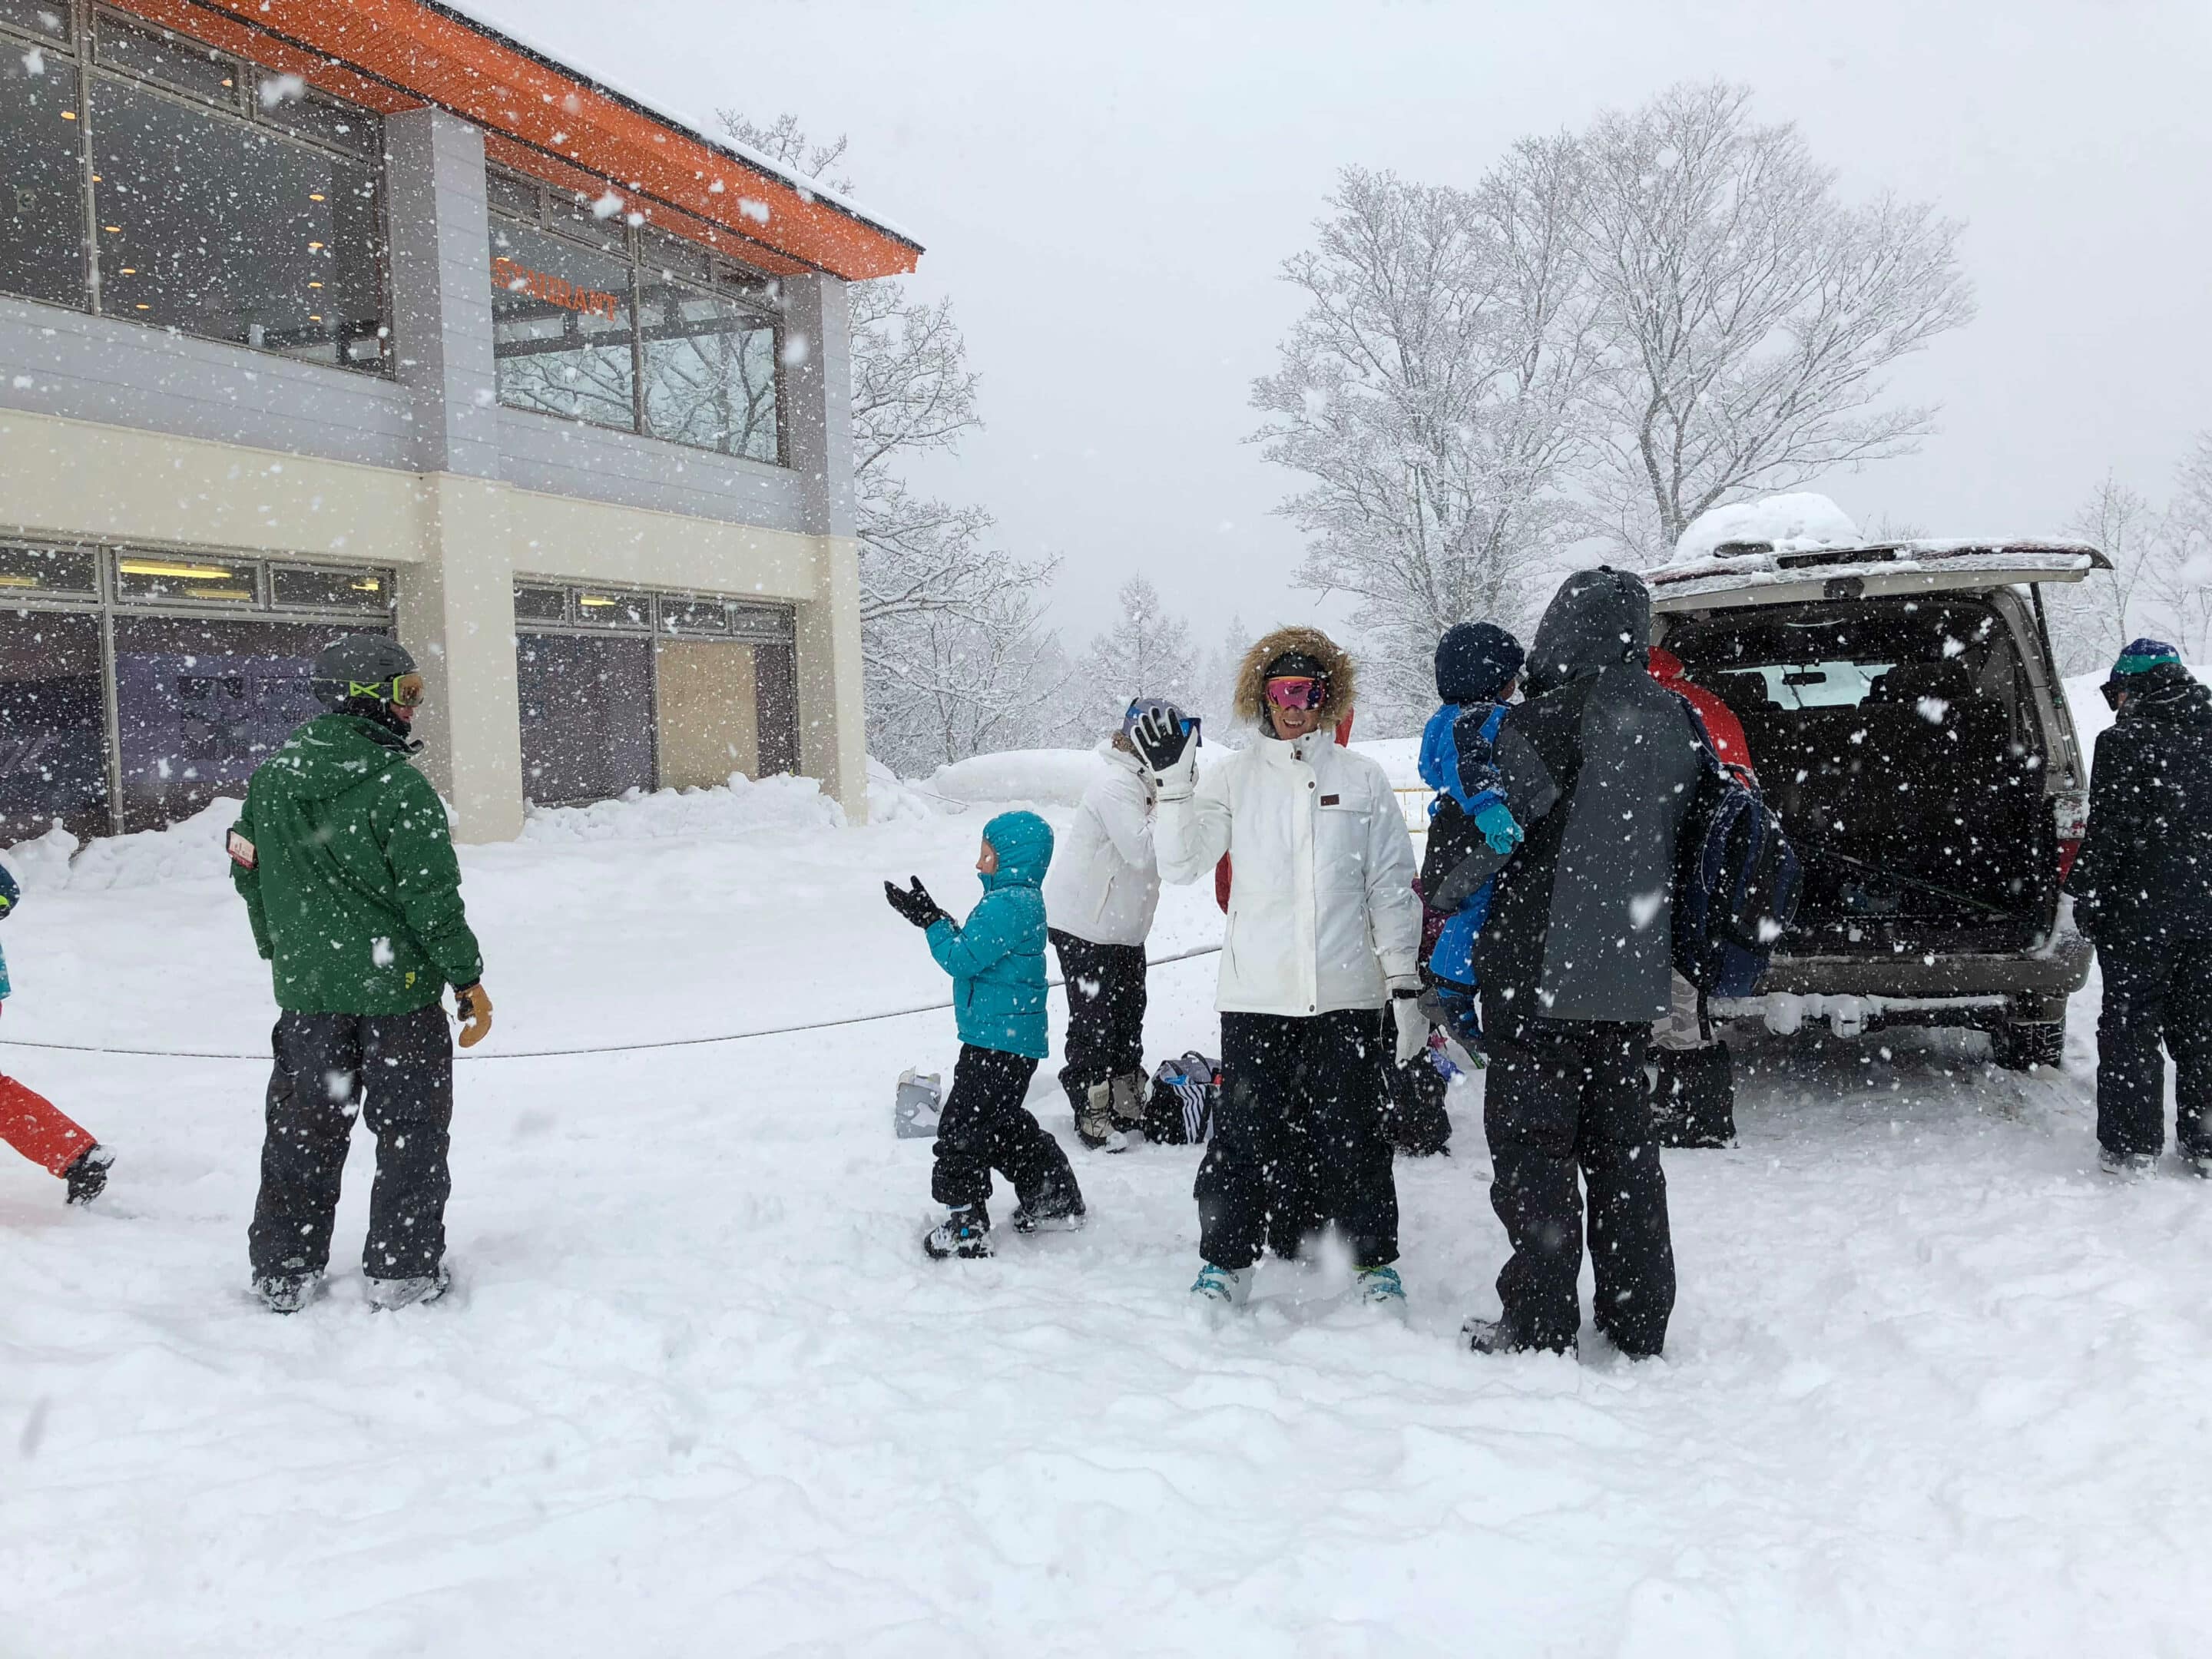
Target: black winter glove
[
  {"x": 1161, "y": 737},
  {"x": 917, "y": 907}
]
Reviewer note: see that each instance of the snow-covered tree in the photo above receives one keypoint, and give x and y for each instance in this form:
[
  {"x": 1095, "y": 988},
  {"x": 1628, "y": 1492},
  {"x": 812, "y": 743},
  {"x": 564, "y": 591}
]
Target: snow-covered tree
[
  {"x": 956, "y": 657},
  {"x": 1435, "y": 393},
  {"x": 2092, "y": 619},
  {"x": 1146, "y": 652},
  {"x": 2180, "y": 577},
  {"x": 1748, "y": 314}
]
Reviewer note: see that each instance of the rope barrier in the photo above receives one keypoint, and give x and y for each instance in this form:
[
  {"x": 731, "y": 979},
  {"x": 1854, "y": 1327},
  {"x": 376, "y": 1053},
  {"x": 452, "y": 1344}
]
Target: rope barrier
[{"x": 609, "y": 1049}]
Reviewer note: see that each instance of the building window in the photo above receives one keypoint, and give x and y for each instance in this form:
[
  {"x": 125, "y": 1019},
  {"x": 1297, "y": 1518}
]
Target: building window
[
  {"x": 625, "y": 326},
  {"x": 209, "y": 196}
]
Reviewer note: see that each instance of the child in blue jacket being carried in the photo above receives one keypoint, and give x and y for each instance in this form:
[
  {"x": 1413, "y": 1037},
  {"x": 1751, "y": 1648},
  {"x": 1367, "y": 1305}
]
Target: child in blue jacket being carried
[
  {"x": 996, "y": 958},
  {"x": 1478, "y": 668}
]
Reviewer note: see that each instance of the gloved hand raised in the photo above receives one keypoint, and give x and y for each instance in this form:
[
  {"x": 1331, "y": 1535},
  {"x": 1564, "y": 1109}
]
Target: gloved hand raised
[
  {"x": 1498, "y": 827},
  {"x": 472, "y": 1007},
  {"x": 917, "y": 907},
  {"x": 1405, "y": 1009},
  {"x": 1161, "y": 735}
]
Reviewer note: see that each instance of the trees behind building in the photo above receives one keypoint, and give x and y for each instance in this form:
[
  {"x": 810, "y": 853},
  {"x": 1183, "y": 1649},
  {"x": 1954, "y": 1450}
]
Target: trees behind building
[{"x": 1606, "y": 334}]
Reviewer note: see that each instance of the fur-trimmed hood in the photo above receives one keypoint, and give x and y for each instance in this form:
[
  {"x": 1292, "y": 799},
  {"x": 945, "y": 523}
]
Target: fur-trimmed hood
[{"x": 1251, "y": 673}]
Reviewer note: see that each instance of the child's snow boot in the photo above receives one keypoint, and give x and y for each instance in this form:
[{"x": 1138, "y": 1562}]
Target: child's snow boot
[
  {"x": 1059, "y": 1208},
  {"x": 393, "y": 1294},
  {"x": 287, "y": 1293},
  {"x": 964, "y": 1234},
  {"x": 1094, "y": 1120},
  {"x": 1220, "y": 1289},
  {"x": 1381, "y": 1287},
  {"x": 88, "y": 1176}
]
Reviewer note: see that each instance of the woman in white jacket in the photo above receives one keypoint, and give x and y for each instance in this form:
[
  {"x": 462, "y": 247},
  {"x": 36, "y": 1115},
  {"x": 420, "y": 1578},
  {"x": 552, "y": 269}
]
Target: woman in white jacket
[
  {"x": 1099, "y": 898},
  {"x": 1324, "y": 933}
]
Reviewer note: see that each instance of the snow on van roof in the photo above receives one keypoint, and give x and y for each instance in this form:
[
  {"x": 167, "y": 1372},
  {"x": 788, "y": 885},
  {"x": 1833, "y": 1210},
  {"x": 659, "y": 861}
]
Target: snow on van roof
[{"x": 1791, "y": 559}]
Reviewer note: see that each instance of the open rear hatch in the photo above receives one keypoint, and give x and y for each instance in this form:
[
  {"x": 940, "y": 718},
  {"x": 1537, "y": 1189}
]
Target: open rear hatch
[{"x": 1900, "y": 709}]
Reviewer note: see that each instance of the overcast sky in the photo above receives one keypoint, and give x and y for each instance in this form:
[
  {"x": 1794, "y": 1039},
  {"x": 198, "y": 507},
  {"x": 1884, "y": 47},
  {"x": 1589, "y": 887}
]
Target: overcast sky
[{"x": 1107, "y": 193}]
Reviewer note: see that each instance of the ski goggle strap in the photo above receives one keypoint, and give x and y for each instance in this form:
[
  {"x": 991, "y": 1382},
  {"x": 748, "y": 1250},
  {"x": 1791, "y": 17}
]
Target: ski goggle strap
[
  {"x": 401, "y": 691},
  {"x": 1297, "y": 691}
]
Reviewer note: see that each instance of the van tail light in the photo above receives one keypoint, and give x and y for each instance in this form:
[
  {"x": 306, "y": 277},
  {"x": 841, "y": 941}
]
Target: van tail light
[{"x": 2069, "y": 815}]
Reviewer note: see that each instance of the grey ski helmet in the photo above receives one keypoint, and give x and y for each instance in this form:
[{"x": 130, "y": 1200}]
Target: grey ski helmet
[{"x": 365, "y": 665}]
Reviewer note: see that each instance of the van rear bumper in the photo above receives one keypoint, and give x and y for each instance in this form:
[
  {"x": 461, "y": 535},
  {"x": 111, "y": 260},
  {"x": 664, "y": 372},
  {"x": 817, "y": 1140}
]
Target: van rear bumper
[{"x": 2052, "y": 976}]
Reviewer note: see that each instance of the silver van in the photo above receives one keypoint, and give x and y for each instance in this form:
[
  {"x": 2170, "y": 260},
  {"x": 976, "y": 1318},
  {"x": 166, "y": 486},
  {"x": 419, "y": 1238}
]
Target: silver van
[{"x": 1906, "y": 720}]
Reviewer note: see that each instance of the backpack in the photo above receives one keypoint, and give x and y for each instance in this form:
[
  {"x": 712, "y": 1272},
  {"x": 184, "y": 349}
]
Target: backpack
[
  {"x": 1184, "y": 1094},
  {"x": 1737, "y": 884}
]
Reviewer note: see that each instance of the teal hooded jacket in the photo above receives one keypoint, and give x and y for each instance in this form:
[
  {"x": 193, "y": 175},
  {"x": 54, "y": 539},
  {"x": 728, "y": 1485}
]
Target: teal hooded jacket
[{"x": 996, "y": 957}]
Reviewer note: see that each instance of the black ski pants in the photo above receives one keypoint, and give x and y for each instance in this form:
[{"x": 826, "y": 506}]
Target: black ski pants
[
  {"x": 1105, "y": 1011},
  {"x": 2155, "y": 988},
  {"x": 1564, "y": 1096},
  {"x": 985, "y": 1126},
  {"x": 1298, "y": 1139},
  {"x": 397, "y": 1070}
]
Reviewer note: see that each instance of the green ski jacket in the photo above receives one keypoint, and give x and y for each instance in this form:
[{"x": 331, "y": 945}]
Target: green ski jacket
[{"x": 348, "y": 872}]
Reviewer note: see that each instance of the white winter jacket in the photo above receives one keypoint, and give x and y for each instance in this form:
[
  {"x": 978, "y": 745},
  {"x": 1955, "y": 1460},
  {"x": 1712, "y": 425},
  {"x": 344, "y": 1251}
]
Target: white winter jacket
[
  {"x": 1105, "y": 884},
  {"x": 1322, "y": 907}
]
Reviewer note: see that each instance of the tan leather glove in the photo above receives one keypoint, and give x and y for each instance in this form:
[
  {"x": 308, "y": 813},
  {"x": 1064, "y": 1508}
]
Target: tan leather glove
[{"x": 472, "y": 1006}]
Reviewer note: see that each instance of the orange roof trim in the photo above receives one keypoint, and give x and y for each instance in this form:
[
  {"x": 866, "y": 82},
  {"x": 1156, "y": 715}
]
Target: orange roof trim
[{"x": 545, "y": 119}]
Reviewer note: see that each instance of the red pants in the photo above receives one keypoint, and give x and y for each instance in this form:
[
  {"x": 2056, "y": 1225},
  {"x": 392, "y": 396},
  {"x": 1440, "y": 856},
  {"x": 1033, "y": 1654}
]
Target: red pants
[{"x": 29, "y": 1123}]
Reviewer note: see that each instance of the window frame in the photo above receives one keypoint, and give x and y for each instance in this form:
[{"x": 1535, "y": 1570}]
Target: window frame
[
  {"x": 723, "y": 282},
  {"x": 79, "y": 59}
]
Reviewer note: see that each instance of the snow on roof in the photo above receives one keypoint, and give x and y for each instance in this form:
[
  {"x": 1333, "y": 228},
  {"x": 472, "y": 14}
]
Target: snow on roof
[
  {"x": 1803, "y": 519},
  {"x": 494, "y": 18}
]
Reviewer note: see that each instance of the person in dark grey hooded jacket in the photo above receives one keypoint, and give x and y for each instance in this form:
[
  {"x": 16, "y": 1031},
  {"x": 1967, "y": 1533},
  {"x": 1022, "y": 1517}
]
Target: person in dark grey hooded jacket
[{"x": 1600, "y": 764}]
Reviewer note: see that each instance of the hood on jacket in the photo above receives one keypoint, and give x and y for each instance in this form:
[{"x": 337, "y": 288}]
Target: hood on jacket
[
  {"x": 1024, "y": 843},
  {"x": 1439, "y": 760},
  {"x": 1598, "y": 619},
  {"x": 331, "y": 754},
  {"x": 1252, "y": 674}
]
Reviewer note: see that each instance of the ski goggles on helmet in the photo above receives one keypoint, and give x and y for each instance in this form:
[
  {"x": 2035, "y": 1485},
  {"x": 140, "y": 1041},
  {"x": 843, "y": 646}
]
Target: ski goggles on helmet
[
  {"x": 401, "y": 691},
  {"x": 1297, "y": 691}
]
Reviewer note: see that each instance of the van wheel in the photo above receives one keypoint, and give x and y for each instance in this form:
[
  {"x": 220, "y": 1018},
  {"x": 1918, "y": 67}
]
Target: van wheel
[{"x": 2019, "y": 1044}]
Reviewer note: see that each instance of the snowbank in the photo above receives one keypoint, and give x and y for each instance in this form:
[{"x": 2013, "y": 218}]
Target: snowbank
[
  {"x": 1400, "y": 758},
  {"x": 1055, "y": 777},
  {"x": 1804, "y": 519},
  {"x": 739, "y": 809},
  {"x": 189, "y": 850}
]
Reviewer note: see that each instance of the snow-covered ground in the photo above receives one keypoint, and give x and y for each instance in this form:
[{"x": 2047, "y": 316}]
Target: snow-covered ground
[{"x": 1933, "y": 1387}]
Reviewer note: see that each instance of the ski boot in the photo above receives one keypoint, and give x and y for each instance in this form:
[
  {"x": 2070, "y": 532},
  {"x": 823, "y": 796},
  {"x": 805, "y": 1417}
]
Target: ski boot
[
  {"x": 1094, "y": 1120},
  {"x": 391, "y": 1294},
  {"x": 1486, "y": 1336},
  {"x": 1219, "y": 1290},
  {"x": 88, "y": 1176},
  {"x": 288, "y": 1293},
  {"x": 2198, "y": 1165},
  {"x": 964, "y": 1235},
  {"x": 2126, "y": 1166},
  {"x": 1381, "y": 1287}
]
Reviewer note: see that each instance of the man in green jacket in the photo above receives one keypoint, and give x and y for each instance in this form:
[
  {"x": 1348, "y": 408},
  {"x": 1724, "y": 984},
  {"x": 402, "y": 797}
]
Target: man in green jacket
[{"x": 347, "y": 868}]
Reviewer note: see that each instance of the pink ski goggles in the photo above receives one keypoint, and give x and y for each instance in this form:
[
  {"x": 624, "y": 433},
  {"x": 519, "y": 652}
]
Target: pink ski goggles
[{"x": 1297, "y": 691}]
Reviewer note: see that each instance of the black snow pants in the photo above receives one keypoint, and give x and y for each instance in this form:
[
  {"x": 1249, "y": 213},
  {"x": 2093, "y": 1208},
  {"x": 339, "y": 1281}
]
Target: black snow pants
[
  {"x": 397, "y": 1071},
  {"x": 985, "y": 1126},
  {"x": 2155, "y": 988},
  {"x": 1105, "y": 1012},
  {"x": 1298, "y": 1138},
  {"x": 1563, "y": 1094}
]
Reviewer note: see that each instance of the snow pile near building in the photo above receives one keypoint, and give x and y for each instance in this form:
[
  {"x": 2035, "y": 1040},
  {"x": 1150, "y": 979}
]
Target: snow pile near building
[
  {"x": 189, "y": 850},
  {"x": 1803, "y": 519},
  {"x": 1052, "y": 777},
  {"x": 739, "y": 809}
]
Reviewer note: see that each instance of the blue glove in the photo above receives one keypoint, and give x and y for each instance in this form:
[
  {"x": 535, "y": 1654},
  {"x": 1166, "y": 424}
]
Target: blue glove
[{"x": 1497, "y": 827}]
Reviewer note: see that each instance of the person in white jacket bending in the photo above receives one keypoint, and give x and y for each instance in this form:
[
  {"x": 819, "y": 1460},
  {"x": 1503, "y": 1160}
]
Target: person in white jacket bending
[
  {"x": 1324, "y": 934},
  {"x": 1099, "y": 898}
]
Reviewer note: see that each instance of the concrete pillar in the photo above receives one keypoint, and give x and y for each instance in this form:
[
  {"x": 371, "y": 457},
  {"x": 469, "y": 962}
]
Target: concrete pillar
[
  {"x": 832, "y": 741},
  {"x": 442, "y": 290},
  {"x": 457, "y": 616},
  {"x": 457, "y": 607}
]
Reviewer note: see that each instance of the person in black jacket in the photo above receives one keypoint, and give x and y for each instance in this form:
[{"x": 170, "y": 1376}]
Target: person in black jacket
[
  {"x": 1599, "y": 765},
  {"x": 2143, "y": 893}
]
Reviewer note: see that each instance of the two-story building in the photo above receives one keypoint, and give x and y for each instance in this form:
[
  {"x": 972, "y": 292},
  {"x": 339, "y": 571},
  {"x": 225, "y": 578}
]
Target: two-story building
[{"x": 330, "y": 315}]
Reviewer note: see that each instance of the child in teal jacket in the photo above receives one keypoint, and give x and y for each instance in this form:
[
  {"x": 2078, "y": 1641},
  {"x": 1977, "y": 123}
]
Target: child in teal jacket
[{"x": 996, "y": 958}]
